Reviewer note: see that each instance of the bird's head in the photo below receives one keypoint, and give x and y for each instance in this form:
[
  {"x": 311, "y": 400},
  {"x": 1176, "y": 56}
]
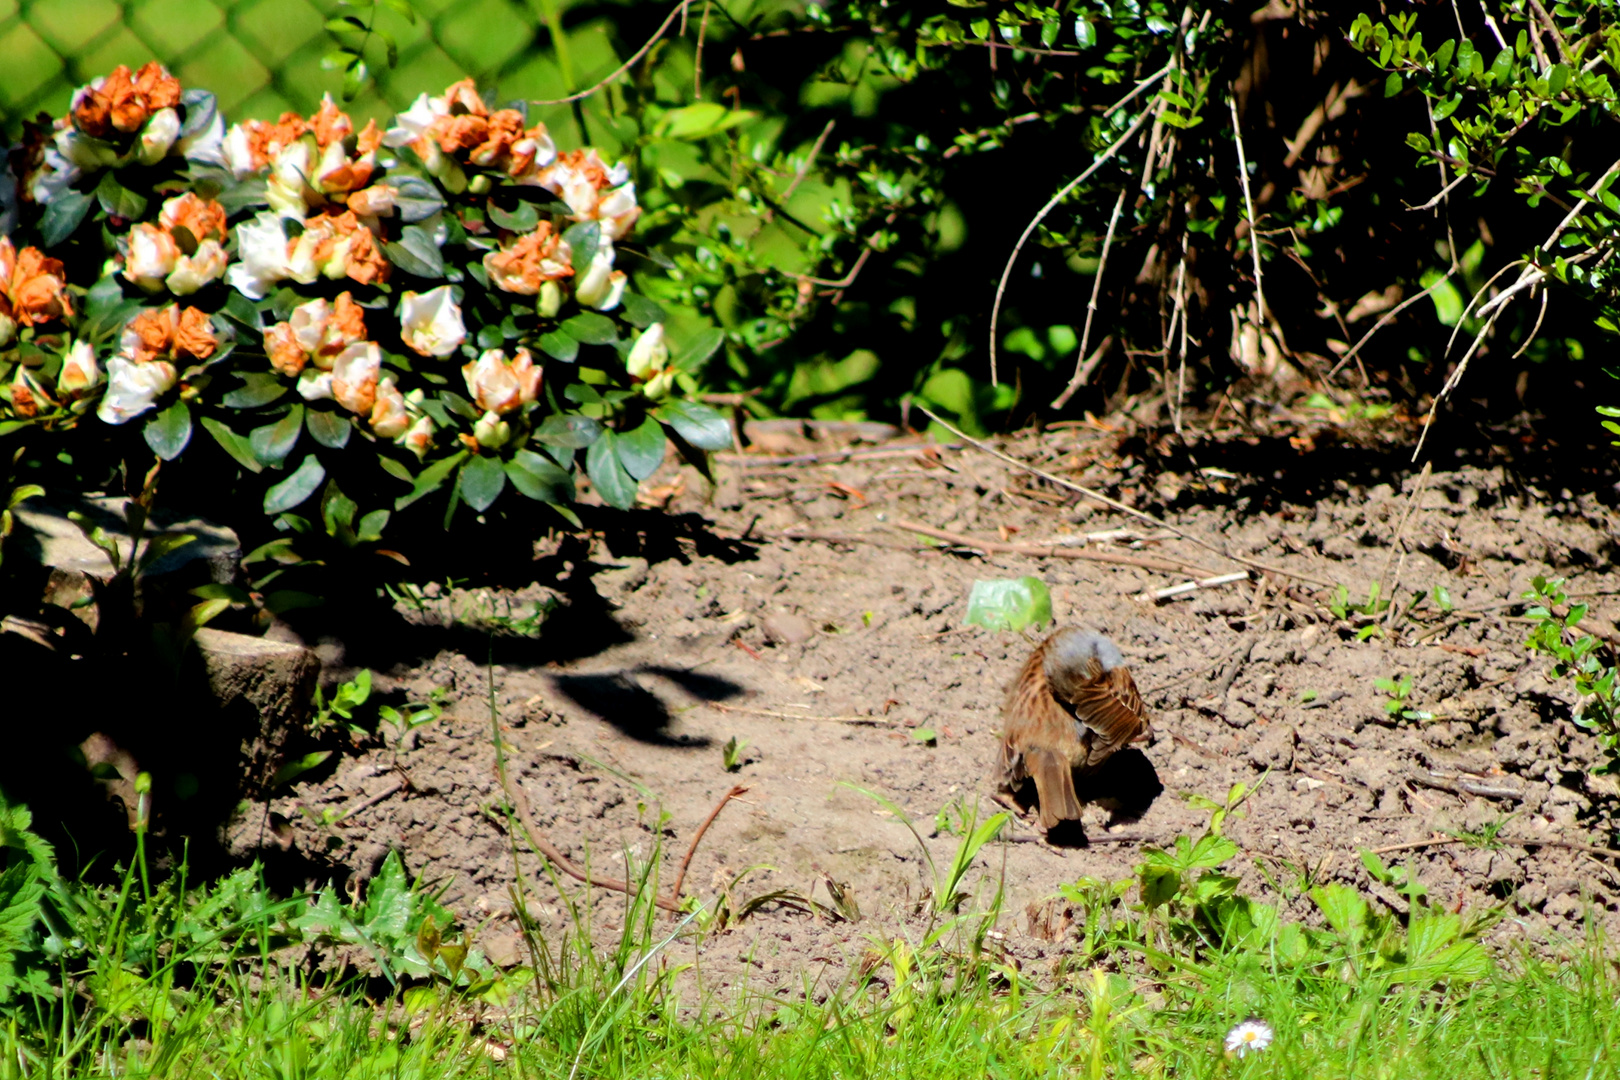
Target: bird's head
[{"x": 1071, "y": 654}]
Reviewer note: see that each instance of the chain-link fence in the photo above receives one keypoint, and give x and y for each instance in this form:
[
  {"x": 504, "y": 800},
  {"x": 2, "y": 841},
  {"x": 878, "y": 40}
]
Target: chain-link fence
[{"x": 262, "y": 57}]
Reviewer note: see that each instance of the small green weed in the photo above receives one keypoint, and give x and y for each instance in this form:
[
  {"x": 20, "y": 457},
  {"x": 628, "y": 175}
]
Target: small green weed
[{"x": 1581, "y": 658}]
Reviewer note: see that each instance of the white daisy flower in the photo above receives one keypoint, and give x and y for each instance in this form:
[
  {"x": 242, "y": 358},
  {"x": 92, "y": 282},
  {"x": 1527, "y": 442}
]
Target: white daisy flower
[{"x": 1253, "y": 1034}]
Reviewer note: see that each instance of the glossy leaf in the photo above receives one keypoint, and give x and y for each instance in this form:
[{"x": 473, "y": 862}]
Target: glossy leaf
[
  {"x": 167, "y": 432},
  {"x": 291, "y": 492},
  {"x": 607, "y": 473}
]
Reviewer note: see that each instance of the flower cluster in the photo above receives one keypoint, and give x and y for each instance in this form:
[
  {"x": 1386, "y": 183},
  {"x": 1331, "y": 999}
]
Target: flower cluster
[{"x": 331, "y": 281}]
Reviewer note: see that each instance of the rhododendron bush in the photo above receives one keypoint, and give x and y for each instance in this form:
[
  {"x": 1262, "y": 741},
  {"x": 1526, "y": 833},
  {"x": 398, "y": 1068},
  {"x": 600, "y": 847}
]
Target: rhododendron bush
[{"x": 436, "y": 305}]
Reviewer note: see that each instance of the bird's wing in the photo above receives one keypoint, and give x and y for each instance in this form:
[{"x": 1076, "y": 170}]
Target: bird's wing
[{"x": 1111, "y": 707}]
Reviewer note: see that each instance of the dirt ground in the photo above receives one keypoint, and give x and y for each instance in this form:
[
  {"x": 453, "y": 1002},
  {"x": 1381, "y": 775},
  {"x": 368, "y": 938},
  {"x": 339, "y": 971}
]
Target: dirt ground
[{"x": 665, "y": 642}]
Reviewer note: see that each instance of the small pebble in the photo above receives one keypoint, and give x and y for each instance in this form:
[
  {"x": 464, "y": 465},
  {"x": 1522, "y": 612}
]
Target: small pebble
[{"x": 785, "y": 629}]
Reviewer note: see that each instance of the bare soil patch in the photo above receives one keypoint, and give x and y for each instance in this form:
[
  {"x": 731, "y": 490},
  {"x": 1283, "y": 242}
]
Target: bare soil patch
[{"x": 674, "y": 633}]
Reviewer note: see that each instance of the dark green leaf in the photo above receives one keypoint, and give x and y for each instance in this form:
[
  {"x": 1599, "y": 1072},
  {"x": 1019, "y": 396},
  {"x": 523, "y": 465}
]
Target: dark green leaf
[
  {"x": 241, "y": 309},
  {"x": 569, "y": 431},
  {"x": 292, "y": 770},
  {"x": 700, "y": 347},
  {"x": 607, "y": 473},
  {"x": 396, "y": 469},
  {"x": 459, "y": 405},
  {"x": 524, "y": 219},
  {"x": 372, "y": 525},
  {"x": 482, "y": 479},
  {"x": 273, "y": 442},
  {"x": 337, "y": 510},
  {"x": 328, "y": 427},
  {"x": 415, "y": 253},
  {"x": 200, "y": 111},
  {"x": 641, "y": 449},
  {"x": 559, "y": 346},
  {"x": 539, "y": 479},
  {"x": 583, "y": 240},
  {"x": 417, "y": 199},
  {"x": 700, "y": 425},
  {"x": 258, "y": 388},
  {"x": 430, "y": 479},
  {"x": 592, "y": 329},
  {"x": 168, "y": 432},
  {"x": 233, "y": 444},
  {"x": 117, "y": 200},
  {"x": 62, "y": 216},
  {"x": 640, "y": 311},
  {"x": 296, "y": 488}
]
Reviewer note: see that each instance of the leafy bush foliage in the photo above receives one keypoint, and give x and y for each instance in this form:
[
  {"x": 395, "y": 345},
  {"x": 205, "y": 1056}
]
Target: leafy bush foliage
[{"x": 343, "y": 321}]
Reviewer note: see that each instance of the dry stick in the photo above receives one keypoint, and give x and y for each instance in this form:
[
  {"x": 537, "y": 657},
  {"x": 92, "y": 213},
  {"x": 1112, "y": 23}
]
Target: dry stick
[
  {"x": 680, "y": 9},
  {"x": 1181, "y": 310},
  {"x": 1168, "y": 566},
  {"x": 1193, "y": 586},
  {"x": 878, "y": 721},
  {"x": 697, "y": 65},
  {"x": 1096, "y": 163},
  {"x": 1080, "y": 370},
  {"x": 537, "y": 840},
  {"x": 1388, "y": 317},
  {"x": 1254, "y": 235},
  {"x": 804, "y": 170},
  {"x": 369, "y": 802},
  {"x": 1528, "y": 277},
  {"x": 1115, "y": 504},
  {"x": 680, "y": 875},
  {"x": 1395, "y": 543},
  {"x": 1568, "y": 845}
]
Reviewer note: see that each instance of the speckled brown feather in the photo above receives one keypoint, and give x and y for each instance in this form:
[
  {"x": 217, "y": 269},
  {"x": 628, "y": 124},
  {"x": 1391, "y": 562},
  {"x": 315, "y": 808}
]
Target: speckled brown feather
[{"x": 1043, "y": 741}]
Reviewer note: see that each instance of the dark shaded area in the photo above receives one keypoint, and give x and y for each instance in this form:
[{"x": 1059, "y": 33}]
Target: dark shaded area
[
  {"x": 1126, "y": 785},
  {"x": 621, "y": 700}
]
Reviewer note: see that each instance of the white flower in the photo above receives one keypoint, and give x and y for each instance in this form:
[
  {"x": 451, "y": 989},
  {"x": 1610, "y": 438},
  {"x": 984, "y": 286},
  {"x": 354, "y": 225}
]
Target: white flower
[
  {"x": 354, "y": 376},
  {"x": 238, "y": 153},
  {"x": 498, "y": 385},
  {"x": 207, "y": 145},
  {"x": 315, "y": 385},
  {"x": 1253, "y": 1034},
  {"x": 375, "y": 200},
  {"x": 650, "y": 354},
  {"x": 601, "y": 286},
  {"x": 79, "y": 369},
  {"x": 261, "y": 252},
  {"x": 308, "y": 323},
  {"x": 618, "y": 211},
  {"x": 289, "y": 175},
  {"x": 388, "y": 416},
  {"x": 414, "y": 122},
  {"x": 192, "y": 272},
  {"x": 419, "y": 439},
  {"x": 152, "y": 256},
  {"x": 159, "y": 134},
  {"x": 133, "y": 387},
  {"x": 430, "y": 323}
]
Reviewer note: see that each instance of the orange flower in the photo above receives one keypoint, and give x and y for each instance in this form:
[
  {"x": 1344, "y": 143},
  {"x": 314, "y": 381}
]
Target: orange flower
[
  {"x": 194, "y": 335},
  {"x": 204, "y": 218},
  {"x": 253, "y": 144},
  {"x": 184, "y": 333},
  {"x": 122, "y": 102},
  {"x": 33, "y": 284},
  {"x": 536, "y": 257},
  {"x": 286, "y": 356},
  {"x": 346, "y": 326},
  {"x": 459, "y": 124}
]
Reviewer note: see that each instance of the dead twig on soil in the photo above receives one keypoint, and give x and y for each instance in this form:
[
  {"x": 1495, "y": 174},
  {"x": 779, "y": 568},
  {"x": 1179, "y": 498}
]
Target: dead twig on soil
[
  {"x": 1052, "y": 551},
  {"x": 537, "y": 840},
  {"x": 1115, "y": 504},
  {"x": 691, "y": 849},
  {"x": 1466, "y": 785},
  {"x": 874, "y": 720},
  {"x": 1567, "y": 845},
  {"x": 372, "y": 800}
]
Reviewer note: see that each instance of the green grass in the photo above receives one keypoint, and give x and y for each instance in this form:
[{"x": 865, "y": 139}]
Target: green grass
[{"x": 169, "y": 978}]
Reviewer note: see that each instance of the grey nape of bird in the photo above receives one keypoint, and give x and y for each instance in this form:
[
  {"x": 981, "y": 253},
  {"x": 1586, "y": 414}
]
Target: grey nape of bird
[{"x": 1073, "y": 706}]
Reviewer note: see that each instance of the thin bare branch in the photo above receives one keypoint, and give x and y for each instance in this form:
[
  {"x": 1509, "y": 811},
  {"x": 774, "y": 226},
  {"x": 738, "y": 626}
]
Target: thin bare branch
[
  {"x": 1096, "y": 163},
  {"x": 678, "y": 10},
  {"x": 1248, "y": 202},
  {"x": 1080, "y": 371}
]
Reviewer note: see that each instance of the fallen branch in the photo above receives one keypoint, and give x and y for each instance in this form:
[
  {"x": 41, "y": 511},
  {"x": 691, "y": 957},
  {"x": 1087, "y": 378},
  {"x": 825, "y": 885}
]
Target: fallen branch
[
  {"x": 1464, "y": 785},
  {"x": 691, "y": 849},
  {"x": 1053, "y": 551},
  {"x": 1568, "y": 845},
  {"x": 1115, "y": 504},
  {"x": 1193, "y": 586},
  {"x": 875, "y": 720}
]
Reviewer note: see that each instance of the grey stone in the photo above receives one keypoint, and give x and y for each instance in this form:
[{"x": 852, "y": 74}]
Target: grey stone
[
  {"x": 265, "y": 687},
  {"x": 784, "y": 629},
  {"x": 53, "y": 540}
]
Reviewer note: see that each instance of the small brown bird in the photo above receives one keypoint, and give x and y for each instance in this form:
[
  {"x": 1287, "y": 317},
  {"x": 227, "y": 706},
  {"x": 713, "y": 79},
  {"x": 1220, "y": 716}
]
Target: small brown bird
[{"x": 1074, "y": 705}]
